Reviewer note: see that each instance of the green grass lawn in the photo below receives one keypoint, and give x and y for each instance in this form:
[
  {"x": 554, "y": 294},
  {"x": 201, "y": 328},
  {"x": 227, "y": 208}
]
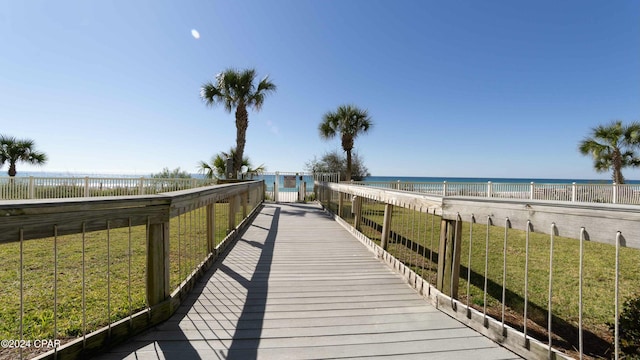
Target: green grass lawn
[
  {"x": 415, "y": 235},
  {"x": 414, "y": 240},
  {"x": 116, "y": 257}
]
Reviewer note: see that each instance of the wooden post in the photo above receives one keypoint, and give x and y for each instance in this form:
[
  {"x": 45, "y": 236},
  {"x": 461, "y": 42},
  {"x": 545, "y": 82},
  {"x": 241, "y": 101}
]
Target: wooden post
[
  {"x": 86, "y": 186},
  {"x": 276, "y": 185},
  {"x": 32, "y": 190},
  {"x": 357, "y": 212},
  {"x": 211, "y": 228},
  {"x": 386, "y": 226},
  {"x": 449, "y": 257},
  {"x": 327, "y": 197},
  {"x": 531, "y": 191},
  {"x": 245, "y": 201},
  {"x": 340, "y": 203},
  {"x": 232, "y": 214},
  {"x": 304, "y": 191},
  {"x": 158, "y": 288}
]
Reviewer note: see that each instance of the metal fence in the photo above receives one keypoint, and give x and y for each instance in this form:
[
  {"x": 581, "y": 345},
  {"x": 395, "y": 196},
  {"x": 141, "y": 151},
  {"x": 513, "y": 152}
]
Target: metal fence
[
  {"x": 289, "y": 186},
  {"x": 81, "y": 274},
  {"x": 592, "y": 193},
  {"x": 545, "y": 278},
  {"x": 14, "y": 188}
]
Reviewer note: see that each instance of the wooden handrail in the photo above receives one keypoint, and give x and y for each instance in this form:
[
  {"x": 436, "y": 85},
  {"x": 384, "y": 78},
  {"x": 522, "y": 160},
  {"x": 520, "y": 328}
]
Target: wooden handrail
[{"x": 22, "y": 220}]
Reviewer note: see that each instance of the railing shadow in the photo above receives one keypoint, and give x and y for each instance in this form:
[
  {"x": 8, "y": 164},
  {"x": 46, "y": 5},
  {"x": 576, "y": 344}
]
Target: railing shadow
[
  {"x": 246, "y": 338},
  {"x": 180, "y": 346},
  {"x": 566, "y": 332},
  {"x": 169, "y": 340},
  {"x": 175, "y": 344}
]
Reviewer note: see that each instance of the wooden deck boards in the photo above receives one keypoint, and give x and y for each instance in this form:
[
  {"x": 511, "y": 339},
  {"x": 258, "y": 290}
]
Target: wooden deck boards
[{"x": 298, "y": 286}]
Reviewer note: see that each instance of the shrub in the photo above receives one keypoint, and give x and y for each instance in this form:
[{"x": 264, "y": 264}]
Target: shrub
[{"x": 629, "y": 323}]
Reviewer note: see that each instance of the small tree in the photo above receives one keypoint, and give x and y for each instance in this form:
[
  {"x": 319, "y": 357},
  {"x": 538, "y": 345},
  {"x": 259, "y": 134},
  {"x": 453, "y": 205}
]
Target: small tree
[
  {"x": 171, "y": 174},
  {"x": 334, "y": 162},
  {"x": 14, "y": 150}
]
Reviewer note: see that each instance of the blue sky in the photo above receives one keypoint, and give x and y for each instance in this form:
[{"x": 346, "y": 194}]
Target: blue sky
[{"x": 454, "y": 88}]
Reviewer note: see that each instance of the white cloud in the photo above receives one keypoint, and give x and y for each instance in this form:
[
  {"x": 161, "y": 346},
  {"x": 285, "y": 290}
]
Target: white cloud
[{"x": 195, "y": 34}]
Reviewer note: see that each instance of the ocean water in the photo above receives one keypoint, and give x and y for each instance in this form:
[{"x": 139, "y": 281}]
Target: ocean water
[
  {"x": 493, "y": 180},
  {"x": 270, "y": 179}
]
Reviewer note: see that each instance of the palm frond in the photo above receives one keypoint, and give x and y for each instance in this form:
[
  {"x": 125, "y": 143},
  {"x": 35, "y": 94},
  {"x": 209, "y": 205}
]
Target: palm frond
[
  {"x": 266, "y": 86},
  {"x": 36, "y": 158},
  {"x": 205, "y": 169},
  {"x": 13, "y": 150},
  {"x": 327, "y": 130},
  {"x": 591, "y": 146},
  {"x": 612, "y": 147},
  {"x": 347, "y": 120}
]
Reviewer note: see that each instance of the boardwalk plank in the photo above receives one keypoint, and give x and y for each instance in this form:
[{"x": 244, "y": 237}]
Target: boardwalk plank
[{"x": 298, "y": 286}]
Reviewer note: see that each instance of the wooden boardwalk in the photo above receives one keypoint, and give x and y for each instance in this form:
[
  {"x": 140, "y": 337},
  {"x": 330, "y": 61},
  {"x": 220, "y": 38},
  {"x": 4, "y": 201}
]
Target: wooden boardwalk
[{"x": 297, "y": 285}]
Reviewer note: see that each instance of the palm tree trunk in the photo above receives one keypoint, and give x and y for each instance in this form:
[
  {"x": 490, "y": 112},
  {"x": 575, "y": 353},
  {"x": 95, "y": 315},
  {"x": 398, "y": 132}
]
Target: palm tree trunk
[
  {"x": 347, "y": 146},
  {"x": 617, "y": 167},
  {"x": 348, "y": 165},
  {"x": 617, "y": 176},
  {"x": 242, "y": 123},
  {"x": 12, "y": 169}
]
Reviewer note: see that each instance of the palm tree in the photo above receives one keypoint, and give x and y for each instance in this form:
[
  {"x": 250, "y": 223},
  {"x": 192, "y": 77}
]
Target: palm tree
[
  {"x": 217, "y": 165},
  {"x": 612, "y": 148},
  {"x": 13, "y": 150},
  {"x": 236, "y": 89},
  {"x": 349, "y": 121},
  {"x": 213, "y": 169}
]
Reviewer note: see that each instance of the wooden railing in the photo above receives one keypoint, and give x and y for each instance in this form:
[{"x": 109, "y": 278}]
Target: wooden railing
[
  {"x": 16, "y": 188},
  {"x": 545, "y": 278},
  {"x": 574, "y": 192},
  {"x": 86, "y": 272}
]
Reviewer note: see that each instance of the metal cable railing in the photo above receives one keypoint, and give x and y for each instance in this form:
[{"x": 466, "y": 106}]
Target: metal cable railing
[
  {"x": 541, "y": 277},
  {"x": 574, "y": 192},
  {"x": 82, "y": 273}
]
